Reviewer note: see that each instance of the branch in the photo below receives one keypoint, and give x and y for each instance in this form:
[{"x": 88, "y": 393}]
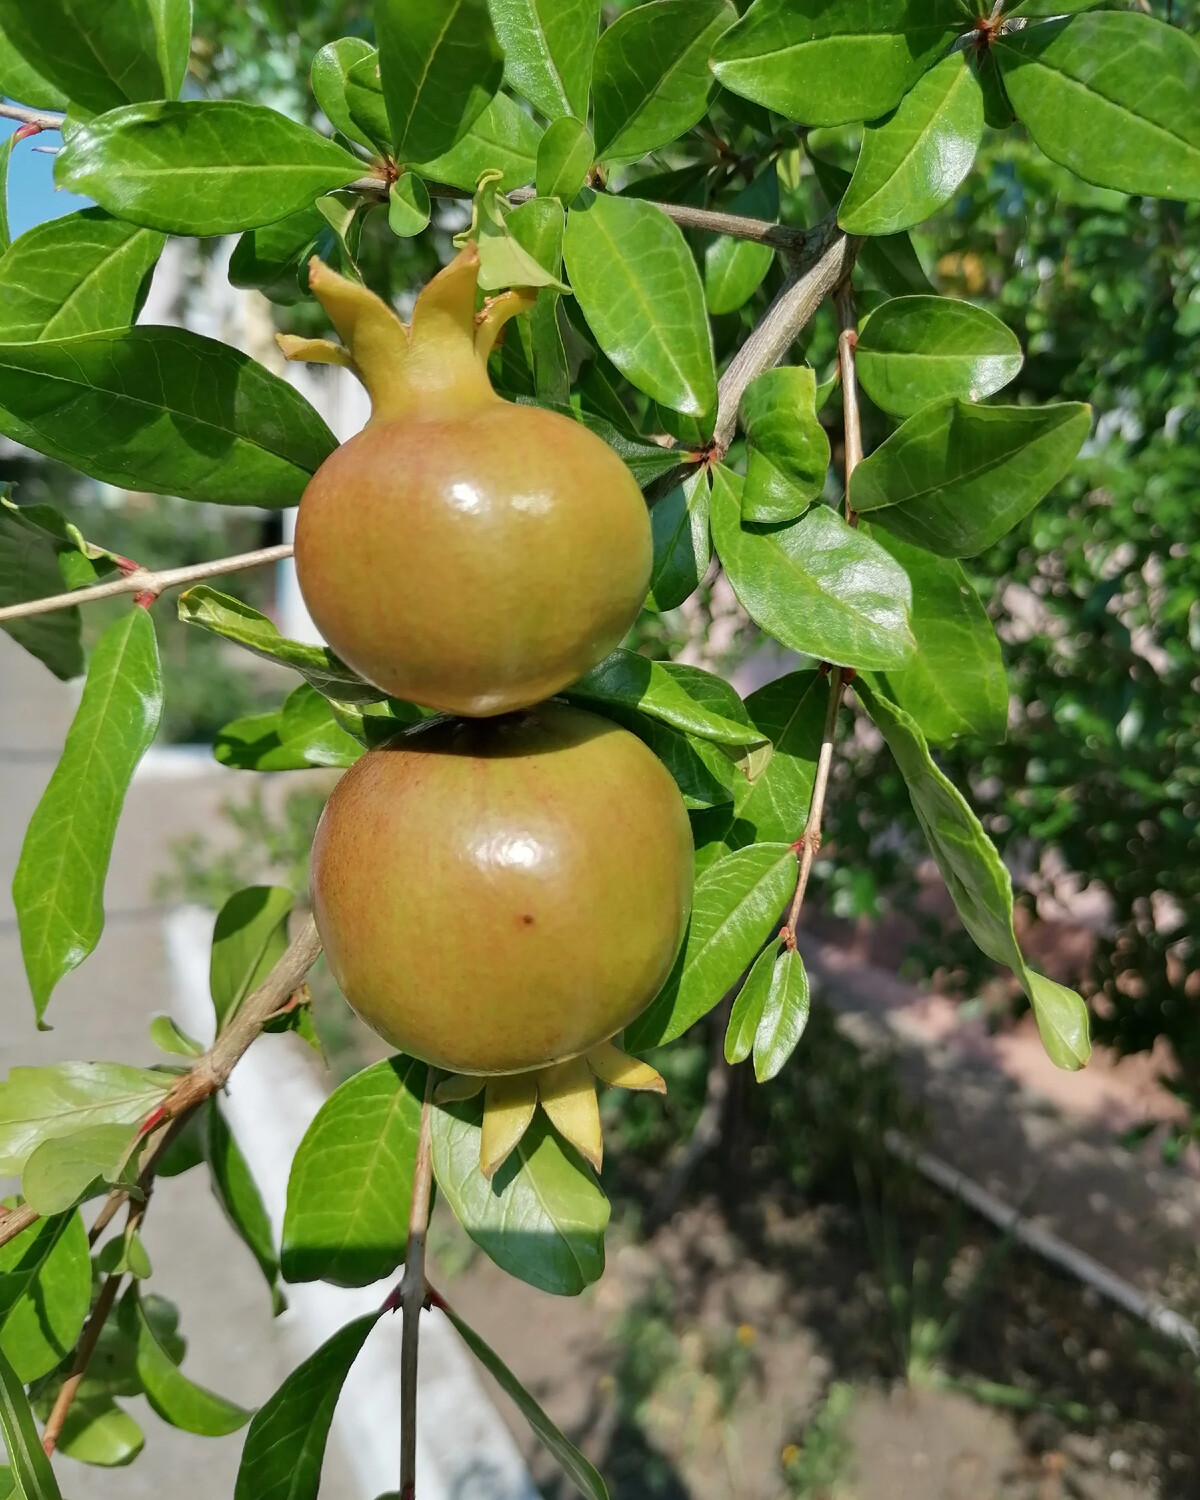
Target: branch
[
  {"x": 141, "y": 581},
  {"x": 830, "y": 261},
  {"x": 30, "y": 117},
  {"x": 413, "y": 1292}
]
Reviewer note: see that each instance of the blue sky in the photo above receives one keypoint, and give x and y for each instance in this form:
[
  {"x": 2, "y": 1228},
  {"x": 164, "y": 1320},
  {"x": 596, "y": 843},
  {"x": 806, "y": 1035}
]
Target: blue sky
[{"x": 31, "y": 195}]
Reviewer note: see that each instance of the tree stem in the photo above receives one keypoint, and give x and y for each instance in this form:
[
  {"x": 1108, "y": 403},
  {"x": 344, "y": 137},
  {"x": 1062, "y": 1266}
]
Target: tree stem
[
  {"x": 36, "y": 117},
  {"x": 412, "y": 1296}
]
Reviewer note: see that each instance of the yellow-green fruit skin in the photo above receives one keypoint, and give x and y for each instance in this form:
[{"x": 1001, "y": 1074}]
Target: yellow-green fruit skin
[
  {"x": 476, "y": 563},
  {"x": 497, "y": 895}
]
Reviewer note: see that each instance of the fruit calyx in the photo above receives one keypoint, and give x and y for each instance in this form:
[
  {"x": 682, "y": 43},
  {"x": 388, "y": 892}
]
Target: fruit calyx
[{"x": 433, "y": 366}]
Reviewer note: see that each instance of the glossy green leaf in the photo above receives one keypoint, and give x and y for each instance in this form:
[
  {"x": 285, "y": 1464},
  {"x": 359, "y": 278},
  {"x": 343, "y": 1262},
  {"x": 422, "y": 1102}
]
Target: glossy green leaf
[
  {"x": 632, "y": 681},
  {"x": 503, "y": 139},
  {"x": 783, "y": 1016},
  {"x": 30, "y": 1467},
  {"x": 772, "y": 800},
  {"x": 99, "y": 1432},
  {"x": 441, "y": 63},
  {"x": 977, "y": 880},
  {"x": 581, "y": 1473},
  {"x": 1051, "y": 7},
  {"x": 551, "y": 372},
  {"x": 164, "y": 410},
  {"x": 351, "y": 1179},
  {"x": 913, "y": 351},
  {"x": 527, "y": 255},
  {"x": 548, "y": 47},
  {"x": 564, "y": 157},
  {"x": 207, "y": 166},
  {"x": 1115, "y": 97},
  {"x": 83, "y": 273},
  {"x": 274, "y": 259},
  {"x": 747, "y": 1008},
  {"x": 682, "y": 545},
  {"x": 817, "y": 585},
  {"x": 735, "y": 269},
  {"x": 703, "y": 772},
  {"x": 170, "y": 1037},
  {"x": 39, "y": 1104},
  {"x": 58, "y": 889},
  {"x": 912, "y": 162},
  {"x": 45, "y": 1293},
  {"x": 365, "y": 103},
  {"x": 787, "y": 450},
  {"x": 235, "y": 621},
  {"x": 30, "y": 569},
  {"x": 890, "y": 260},
  {"x": 637, "y": 284},
  {"x": 125, "y": 1253},
  {"x": 236, "y": 1191},
  {"x": 61, "y": 1170},
  {"x": 956, "y": 477},
  {"x": 172, "y": 21},
  {"x": 285, "y": 1445},
  {"x": 831, "y": 64},
  {"x": 651, "y": 81},
  {"x": 954, "y": 684},
  {"x": 175, "y": 1398},
  {"x": 328, "y": 77},
  {"x": 249, "y": 938},
  {"x": 408, "y": 206},
  {"x": 99, "y": 57},
  {"x": 541, "y": 1218},
  {"x": 304, "y": 733},
  {"x": 736, "y": 903},
  {"x": 22, "y": 82}
]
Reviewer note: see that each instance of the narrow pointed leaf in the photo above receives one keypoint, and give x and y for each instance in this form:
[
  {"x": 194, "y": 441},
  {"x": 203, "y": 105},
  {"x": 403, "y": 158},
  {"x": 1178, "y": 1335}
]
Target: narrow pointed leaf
[
  {"x": 440, "y": 63},
  {"x": 99, "y": 57},
  {"x": 748, "y": 1008},
  {"x": 236, "y": 1191},
  {"x": 58, "y": 889},
  {"x": 783, "y": 1017},
  {"x": 176, "y": 1399},
  {"x": 914, "y": 351},
  {"x": 37, "y": 1104},
  {"x": 632, "y": 681},
  {"x": 548, "y": 47},
  {"x": 773, "y": 798},
  {"x": 682, "y": 544},
  {"x": 787, "y": 450},
  {"x": 351, "y": 1179},
  {"x": 956, "y": 477},
  {"x": 30, "y": 1467},
  {"x": 45, "y": 1293}
]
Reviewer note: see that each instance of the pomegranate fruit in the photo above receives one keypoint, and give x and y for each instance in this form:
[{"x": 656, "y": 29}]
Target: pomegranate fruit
[
  {"x": 497, "y": 896},
  {"x": 462, "y": 552}
]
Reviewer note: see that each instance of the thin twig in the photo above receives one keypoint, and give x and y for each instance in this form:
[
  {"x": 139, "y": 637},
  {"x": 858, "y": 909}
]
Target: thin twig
[
  {"x": 142, "y": 581},
  {"x": 36, "y": 117},
  {"x": 412, "y": 1296}
]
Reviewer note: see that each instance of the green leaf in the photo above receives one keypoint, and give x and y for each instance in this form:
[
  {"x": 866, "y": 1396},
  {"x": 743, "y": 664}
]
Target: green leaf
[
  {"x": 526, "y": 254},
  {"x": 747, "y": 1009},
  {"x": 285, "y": 1445},
  {"x": 249, "y": 938},
  {"x": 541, "y": 1218},
  {"x": 977, "y": 880},
  {"x": 408, "y": 206},
  {"x": 366, "y": 105},
  {"x": 31, "y": 1468},
  {"x": 164, "y": 410},
  {"x": 736, "y": 903},
  {"x": 912, "y": 162},
  {"x": 703, "y": 772},
  {"x": 503, "y": 139},
  {"x": 167, "y": 1036},
  {"x": 637, "y": 284},
  {"x": 98, "y": 1432},
  {"x": 39, "y": 1104},
  {"x": 735, "y": 269},
  {"x": 328, "y": 77},
  {"x": 548, "y": 47},
  {"x": 99, "y": 57},
  {"x": 650, "y": 80},
  {"x": 60, "y": 1170},
  {"x": 21, "y": 82},
  {"x": 304, "y": 733},
  {"x": 207, "y": 166},
  {"x": 29, "y": 569},
  {"x": 787, "y": 450},
  {"x": 889, "y": 259},
  {"x": 175, "y": 1398},
  {"x": 58, "y": 889},
  {"x": 172, "y": 20},
  {"x": 783, "y": 1016},
  {"x": 83, "y": 273},
  {"x": 629, "y": 680},
  {"x": 682, "y": 545},
  {"x": 1114, "y": 97},
  {"x": 817, "y": 585},
  {"x": 771, "y": 804},
  {"x": 913, "y": 351},
  {"x": 581, "y": 1473},
  {"x": 441, "y": 64},
  {"x": 954, "y": 685},
  {"x": 831, "y": 64},
  {"x": 564, "y": 157},
  {"x": 351, "y": 1179},
  {"x": 274, "y": 259},
  {"x": 237, "y": 1193},
  {"x": 45, "y": 1293},
  {"x": 956, "y": 477},
  {"x": 235, "y": 621}
]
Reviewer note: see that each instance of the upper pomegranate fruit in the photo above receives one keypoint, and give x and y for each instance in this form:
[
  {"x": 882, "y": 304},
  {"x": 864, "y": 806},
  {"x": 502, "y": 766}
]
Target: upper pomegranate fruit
[
  {"x": 498, "y": 896},
  {"x": 462, "y": 552}
]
